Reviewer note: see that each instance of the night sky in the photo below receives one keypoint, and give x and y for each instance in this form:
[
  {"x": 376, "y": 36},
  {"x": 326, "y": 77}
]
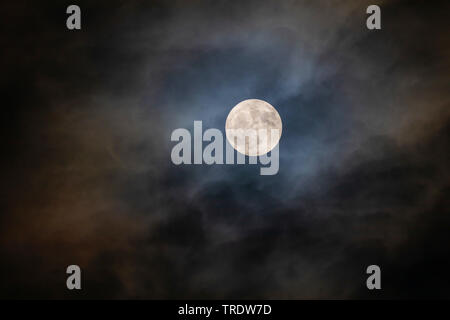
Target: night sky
[{"x": 87, "y": 177}]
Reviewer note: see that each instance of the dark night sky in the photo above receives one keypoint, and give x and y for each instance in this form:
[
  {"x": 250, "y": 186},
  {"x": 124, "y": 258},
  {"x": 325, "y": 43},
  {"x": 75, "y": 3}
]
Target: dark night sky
[{"x": 87, "y": 177}]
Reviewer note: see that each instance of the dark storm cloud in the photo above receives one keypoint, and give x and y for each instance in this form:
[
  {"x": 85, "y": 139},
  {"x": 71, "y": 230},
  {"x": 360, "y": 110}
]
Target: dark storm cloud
[{"x": 363, "y": 158}]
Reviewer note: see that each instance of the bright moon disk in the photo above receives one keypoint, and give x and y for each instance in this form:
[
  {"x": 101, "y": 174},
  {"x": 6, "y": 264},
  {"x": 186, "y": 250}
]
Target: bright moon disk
[{"x": 253, "y": 127}]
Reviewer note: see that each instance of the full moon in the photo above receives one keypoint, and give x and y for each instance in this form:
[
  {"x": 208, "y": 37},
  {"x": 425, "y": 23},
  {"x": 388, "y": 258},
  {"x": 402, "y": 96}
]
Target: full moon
[{"x": 261, "y": 123}]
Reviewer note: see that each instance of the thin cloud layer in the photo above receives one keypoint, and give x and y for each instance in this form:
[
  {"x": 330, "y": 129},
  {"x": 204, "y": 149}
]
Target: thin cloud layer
[{"x": 363, "y": 172}]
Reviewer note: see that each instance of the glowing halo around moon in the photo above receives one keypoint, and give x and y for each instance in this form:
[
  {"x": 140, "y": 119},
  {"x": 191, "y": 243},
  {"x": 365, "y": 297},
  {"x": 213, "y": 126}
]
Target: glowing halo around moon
[{"x": 261, "y": 123}]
